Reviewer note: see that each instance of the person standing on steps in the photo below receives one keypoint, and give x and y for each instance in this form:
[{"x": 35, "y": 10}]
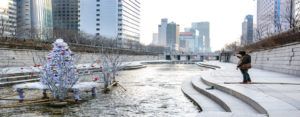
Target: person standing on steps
[{"x": 244, "y": 65}]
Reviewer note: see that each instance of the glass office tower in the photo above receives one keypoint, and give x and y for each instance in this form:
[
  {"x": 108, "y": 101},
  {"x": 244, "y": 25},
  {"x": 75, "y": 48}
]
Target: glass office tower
[
  {"x": 116, "y": 19},
  {"x": 8, "y": 14},
  {"x": 65, "y": 15},
  {"x": 35, "y": 19}
]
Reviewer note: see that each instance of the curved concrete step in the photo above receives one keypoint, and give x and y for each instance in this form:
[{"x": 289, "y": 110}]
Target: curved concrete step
[
  {"x": 208, "y": 66},
  {"x": 227, "y": 114},
  {"x": 205, "y": 103},
  {"x": 134, "y": 67},
  {"x": 261, "y": 102},
  {"x": 201, "y": 88},
  {"x": 228, "y": 102}
]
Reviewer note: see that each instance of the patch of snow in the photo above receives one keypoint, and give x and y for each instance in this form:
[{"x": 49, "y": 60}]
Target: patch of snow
[{"x": 83, "y": 86}]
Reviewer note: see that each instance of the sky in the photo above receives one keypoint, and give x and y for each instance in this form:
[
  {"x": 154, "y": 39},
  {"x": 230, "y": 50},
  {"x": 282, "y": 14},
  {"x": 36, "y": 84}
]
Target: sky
[
  {"x": 225, "y": 17},
  {"x": 3, "y": 4}
]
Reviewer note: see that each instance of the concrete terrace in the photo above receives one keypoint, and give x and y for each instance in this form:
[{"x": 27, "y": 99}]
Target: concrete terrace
[{"x": 270, "y": 94}]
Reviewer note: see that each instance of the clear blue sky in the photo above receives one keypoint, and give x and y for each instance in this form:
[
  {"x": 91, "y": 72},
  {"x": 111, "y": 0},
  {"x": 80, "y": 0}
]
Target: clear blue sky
[{"x": 225, "y": 17}]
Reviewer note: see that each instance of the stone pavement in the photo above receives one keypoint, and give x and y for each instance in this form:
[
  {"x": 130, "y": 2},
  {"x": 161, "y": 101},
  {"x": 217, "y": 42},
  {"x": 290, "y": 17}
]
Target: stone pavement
[{"x": 275, "y": 100}]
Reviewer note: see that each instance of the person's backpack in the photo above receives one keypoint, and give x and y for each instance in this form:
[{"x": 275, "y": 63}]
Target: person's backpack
[{"x": 246, "y": 66}]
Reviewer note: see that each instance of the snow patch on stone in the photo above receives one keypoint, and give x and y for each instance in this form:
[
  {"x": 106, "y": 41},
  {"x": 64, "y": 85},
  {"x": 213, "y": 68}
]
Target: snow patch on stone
[
  {"x": 31, "y": 86},
  {"x": 82, "y": 86}
]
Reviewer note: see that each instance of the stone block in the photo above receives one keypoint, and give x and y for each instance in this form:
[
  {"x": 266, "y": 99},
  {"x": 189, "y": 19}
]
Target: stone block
[
  {"x": 295, "y": 67},
  {"x": 297, "y": 53},
  {"x": 297, "y": 49},
  {"x": 295, "y": 63},
  {"x": 296, "y": 58}
]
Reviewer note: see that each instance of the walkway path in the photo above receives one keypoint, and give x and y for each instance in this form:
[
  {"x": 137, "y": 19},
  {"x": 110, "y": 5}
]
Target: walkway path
[
  {"x": 266, "y": 96},
  {"x": 287, "y": 93}
]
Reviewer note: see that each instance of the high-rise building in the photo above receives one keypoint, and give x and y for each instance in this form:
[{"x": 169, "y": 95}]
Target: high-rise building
[
  {"x": 194, "y": 41},
  {"x": 65, "y": 15},
  {"x": 162, "y": 32},
  {"x": 34, "y": 19},
  {"x": 173, "y": 36},
  {"x": 247, "y": 30},
  {"x": 118, "y": 19},
  {"x": 8, "y": 15},
  {"x": 244, "y": 33},
  {"x": 155, "y": 39},
  {"x": 273, "y": 16},
  {"x": 204, "y": 37},
  {"x": 187, "y": 41},
  {"x": 297, "y": 12},
  {"x": 255, "y": 37}
]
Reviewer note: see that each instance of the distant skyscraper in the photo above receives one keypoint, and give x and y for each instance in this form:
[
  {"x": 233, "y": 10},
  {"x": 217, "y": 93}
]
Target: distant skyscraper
[
  {"x": 34, "y": 19},
  {"x": 187, "y": 41},
  {"x": 8, "y": 15},
  {"x": 118, "y": 19},
  {"x": 194, "y": 46},
  {"x": 247, "y": 30},
  {"x": 155, "y": 39},
  {"x": 255, "y": 37},
  {"x": 204, "y": 36},
  {"x": 244, "y": 33},
  {"x": 65, "y": 15},
  {"x": 297, "y": 11},
  {"x": 272, "y": 16},
  {"x": 162, "y": 32},
  {"x": 173, "y": 36}
]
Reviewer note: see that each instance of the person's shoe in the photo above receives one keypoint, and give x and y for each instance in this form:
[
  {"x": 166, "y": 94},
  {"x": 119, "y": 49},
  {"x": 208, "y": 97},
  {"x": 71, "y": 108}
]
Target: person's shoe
[
  {"x": 249, "y": 81},
  {"x": 243, "y": 82}
]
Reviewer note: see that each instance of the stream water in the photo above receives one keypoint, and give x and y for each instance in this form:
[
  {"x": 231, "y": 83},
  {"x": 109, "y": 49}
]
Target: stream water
[{"x": 151, "y": 91}]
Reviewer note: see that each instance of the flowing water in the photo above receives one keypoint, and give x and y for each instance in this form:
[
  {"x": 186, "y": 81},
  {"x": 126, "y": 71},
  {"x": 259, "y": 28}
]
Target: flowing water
[{"x": 151, "y": 91}]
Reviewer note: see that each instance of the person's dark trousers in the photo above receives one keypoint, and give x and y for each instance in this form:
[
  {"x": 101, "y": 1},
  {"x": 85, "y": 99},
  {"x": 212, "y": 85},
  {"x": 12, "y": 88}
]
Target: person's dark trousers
[{"x": 245, "y": 75}]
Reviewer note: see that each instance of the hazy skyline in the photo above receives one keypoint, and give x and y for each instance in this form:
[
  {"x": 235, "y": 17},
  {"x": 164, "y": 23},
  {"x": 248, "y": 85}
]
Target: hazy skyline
[{"x": 225, "y": 17}]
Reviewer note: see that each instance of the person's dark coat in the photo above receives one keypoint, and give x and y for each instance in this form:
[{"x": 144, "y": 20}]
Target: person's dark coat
[{"x": 245, "y": 60}]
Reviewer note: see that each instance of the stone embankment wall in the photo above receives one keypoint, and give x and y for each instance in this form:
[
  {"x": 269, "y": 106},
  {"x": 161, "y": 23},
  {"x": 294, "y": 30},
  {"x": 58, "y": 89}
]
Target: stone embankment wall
[
  {"x": 284, "y": 59},
  {"x": 25, "y": 57}
]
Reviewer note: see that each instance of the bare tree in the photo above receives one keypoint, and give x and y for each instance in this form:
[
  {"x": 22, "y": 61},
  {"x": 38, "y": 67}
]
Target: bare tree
[
  {"x": 259, "y": 32},
  {"x": 231, "y": 47},
  {"x": 291, "y": 15}
]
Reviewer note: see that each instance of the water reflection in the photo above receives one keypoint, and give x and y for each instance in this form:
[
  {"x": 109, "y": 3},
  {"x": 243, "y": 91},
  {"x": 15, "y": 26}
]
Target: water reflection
[{"x": 151, "y": 91}]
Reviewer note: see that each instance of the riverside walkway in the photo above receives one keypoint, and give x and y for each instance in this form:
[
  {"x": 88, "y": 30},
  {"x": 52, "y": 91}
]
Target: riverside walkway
[{"x": 270, "y": 94}]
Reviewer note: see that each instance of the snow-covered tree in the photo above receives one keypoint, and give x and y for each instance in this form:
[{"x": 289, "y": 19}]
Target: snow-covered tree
[{"x": 59, "y": 74}]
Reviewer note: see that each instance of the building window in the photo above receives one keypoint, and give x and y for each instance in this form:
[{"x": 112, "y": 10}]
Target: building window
[
  {"x": 98, "y": 29},
  {"x": 98, "y": 14},
  {"x": 98, "y": 0},
  {"x": 98, "y": 19},
  {"x": 98, "y": 24},
  {"x": 98, "y": 5},
  {"x": 98, "y": 9},
  {"x": 97, "y": 34}
]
